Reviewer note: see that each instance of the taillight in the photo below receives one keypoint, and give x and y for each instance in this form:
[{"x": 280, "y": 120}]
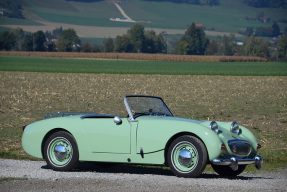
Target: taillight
[{"x": 24, "y": 127}]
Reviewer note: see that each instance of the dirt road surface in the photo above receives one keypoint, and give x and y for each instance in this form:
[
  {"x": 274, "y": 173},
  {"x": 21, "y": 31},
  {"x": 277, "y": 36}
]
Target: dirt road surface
[{"x": 121, "y": 178}]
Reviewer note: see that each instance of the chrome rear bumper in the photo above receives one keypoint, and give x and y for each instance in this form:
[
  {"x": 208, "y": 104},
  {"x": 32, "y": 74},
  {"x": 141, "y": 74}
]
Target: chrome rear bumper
[{"x": 233, "y": 162}]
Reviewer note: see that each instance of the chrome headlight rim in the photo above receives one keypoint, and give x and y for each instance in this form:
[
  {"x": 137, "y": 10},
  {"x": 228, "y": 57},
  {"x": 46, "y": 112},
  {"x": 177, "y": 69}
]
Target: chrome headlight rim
[
  {"x": 234, "y": 128},
  {"x": 213, "y": 126}
]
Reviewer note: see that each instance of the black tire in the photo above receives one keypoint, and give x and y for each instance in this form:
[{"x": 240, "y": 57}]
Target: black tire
[
  {"x": 67, "y": 156},
  {"x": 187, "y": 156},
  {"x": 227, "y": 171}
]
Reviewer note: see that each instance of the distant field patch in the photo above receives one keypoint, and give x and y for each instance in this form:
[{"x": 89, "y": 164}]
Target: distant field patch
[{"x": 64, "y": 65}]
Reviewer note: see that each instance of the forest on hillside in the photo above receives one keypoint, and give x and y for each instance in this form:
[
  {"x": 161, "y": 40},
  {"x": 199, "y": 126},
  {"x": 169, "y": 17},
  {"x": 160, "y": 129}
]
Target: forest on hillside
[{"x": 252, "y": 3}]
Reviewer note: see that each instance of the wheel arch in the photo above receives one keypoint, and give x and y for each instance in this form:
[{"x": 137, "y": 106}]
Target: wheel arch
[
  {"x": 177, "y": 136},
  {"x": 49, "y": 134}
]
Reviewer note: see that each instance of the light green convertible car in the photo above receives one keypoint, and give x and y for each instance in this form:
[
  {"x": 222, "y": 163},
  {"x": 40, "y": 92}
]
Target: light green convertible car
[{"x": 150, "y": 134}]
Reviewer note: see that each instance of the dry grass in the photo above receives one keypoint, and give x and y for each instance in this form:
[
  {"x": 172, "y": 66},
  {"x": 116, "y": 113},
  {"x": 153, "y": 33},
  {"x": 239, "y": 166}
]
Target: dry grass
[
  {"x": 138, "y": 56},
  {"x": 258, "y": 103}
]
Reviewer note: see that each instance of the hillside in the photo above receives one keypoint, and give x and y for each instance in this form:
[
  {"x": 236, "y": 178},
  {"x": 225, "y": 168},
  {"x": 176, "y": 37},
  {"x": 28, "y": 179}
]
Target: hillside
[{"x": 229, "y": 16}]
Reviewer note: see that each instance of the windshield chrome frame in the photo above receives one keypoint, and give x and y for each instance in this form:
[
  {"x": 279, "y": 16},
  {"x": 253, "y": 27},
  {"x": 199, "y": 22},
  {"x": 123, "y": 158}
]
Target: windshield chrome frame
[{"x": 131, "y": 116}]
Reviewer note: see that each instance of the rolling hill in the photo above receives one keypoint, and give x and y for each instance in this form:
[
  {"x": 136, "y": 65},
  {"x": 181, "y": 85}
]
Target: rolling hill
[{"x": 94, "y": 16}]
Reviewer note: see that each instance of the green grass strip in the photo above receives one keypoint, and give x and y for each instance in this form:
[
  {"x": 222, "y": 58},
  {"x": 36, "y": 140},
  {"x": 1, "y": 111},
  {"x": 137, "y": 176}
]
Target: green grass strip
[{"x": 62, "y": 65}]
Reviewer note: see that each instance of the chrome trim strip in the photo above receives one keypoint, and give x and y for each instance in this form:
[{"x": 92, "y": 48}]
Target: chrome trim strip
[
  {"x": 238, "y": 141},
  {"x": 97, "y": 116},
  {"x": 258, "y": 160},
  {"x": 152, "y": 152},
  {"x": 129, "y": 110},
  {"x": 63, "y": 114}
]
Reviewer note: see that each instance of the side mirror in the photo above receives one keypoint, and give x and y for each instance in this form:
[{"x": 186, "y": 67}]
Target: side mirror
[{"x": 117, "y": 120}]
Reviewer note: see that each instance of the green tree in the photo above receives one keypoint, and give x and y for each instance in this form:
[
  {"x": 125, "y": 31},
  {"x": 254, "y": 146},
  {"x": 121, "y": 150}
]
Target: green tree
[
  {"x": 51, "y": 45},
  {"x": 39, "y": 39},
  {"x": 160, "y": 44},
  {"x": 229, "y": 44},
  {"x": 212, "y": 48},
  {"x": 195, "y": 39},
  {"x": 150, "y": 37},
  {"x": 275, "y": 30},
  {"x": 108, "y": 45},
  {"x": 264, "y": 32},
  {"x": 19, "y": 35},
  {"x": 96, "y": 48},
  {"x": 27, "y": 44},
  {"x": 67, "y": 40},
  {"x": 86, "y": 47},
  {"x": 140, "y": 41},
  {"x": 225, "y": 45},
  {"x": 249, "y": 31},
  {"x": 137, "y": 38},
  {"x": 123, "y": 44},
  {"x": 255, "y": 46},
  {"x": 155, "y": 43},
  {"x": 282, "y": 48},
  {"x": 182, "y": 48},
  {"x": 7, "y": 40}
]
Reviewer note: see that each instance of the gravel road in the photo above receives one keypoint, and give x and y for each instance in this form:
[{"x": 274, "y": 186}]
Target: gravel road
[{"x": 122, "y": 178}]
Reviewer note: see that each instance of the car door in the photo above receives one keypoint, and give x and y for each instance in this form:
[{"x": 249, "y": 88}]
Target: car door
[
  {"x": 150, "y": 134},
  {"x": 105, "y": 136}
]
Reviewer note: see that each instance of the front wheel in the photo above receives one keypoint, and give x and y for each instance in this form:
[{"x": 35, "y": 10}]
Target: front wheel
[
  {"x": 224, "y": 170},
  {"x": 61, "y": 151},
  {"x": 187, "y": 156}
]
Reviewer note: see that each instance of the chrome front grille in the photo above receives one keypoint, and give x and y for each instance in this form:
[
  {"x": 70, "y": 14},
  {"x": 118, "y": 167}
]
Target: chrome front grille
[{"x": 240, "y": 148}]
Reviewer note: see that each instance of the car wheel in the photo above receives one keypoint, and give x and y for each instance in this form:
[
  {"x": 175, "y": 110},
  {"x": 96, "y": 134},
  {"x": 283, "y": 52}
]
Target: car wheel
[
  {"x": 187, "y": 156},
  {"x": 227, "y": 171},
  {"x": 61, "y": 151}
]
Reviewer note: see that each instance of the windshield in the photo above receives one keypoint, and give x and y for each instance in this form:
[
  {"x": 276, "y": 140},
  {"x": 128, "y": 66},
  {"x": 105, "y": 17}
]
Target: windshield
[{"x": 146, "y": 105}]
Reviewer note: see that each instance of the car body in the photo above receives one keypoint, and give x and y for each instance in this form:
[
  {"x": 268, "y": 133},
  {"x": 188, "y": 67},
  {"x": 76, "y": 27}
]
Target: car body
[{"x": 150, "y": 134}]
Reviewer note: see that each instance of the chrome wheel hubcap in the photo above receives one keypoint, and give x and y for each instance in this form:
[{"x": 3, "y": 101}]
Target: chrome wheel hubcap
[
  {"x": 60, "y": 152},
  {"x": 185, "y": 157}
]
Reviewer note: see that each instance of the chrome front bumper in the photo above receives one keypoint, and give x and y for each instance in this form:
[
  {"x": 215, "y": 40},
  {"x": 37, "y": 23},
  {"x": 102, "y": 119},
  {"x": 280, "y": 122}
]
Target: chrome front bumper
[{"x": 233, "y": 162}]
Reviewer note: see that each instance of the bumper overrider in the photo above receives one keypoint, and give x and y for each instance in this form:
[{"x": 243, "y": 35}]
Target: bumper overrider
[{"x": 233, "y": 162}]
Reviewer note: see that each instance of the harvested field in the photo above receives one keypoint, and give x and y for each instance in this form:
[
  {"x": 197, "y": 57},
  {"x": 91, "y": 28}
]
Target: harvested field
[
  {"x": 138, "y": 56},
  {"x": 258, "y": 103}
]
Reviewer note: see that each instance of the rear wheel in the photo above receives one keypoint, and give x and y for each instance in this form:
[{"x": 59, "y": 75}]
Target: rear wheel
[
  {"x": 227, "y": 171},
  {"x": 61, "y": 151},
  {"x": 187, "y": 156}
]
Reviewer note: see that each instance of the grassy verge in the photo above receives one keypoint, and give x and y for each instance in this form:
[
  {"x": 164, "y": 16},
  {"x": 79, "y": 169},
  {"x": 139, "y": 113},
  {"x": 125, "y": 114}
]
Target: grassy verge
[
  {"x": 11, "y": 179},
  {"x": 63, "y": 65}
]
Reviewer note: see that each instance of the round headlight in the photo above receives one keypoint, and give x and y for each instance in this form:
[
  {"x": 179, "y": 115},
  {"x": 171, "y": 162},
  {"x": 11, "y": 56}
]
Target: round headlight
[
  {"x": 234, "y": 128},
  {"x": 213, "y": 126}
]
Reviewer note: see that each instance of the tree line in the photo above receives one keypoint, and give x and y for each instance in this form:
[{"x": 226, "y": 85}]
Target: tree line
[
  {"x": 195, "y": 2},
  {"x": 138, "y": 40},
  {"x": 11, "y": 8},
  {"x": 272, "y": 31},
  {"x": 266, "y": 3}
]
